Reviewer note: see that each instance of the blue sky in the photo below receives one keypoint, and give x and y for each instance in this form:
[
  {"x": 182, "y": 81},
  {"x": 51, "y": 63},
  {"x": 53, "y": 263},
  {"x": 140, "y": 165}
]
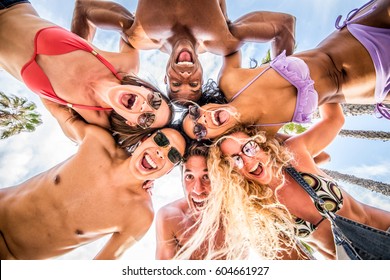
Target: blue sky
[{"x": 28, "y": 154}]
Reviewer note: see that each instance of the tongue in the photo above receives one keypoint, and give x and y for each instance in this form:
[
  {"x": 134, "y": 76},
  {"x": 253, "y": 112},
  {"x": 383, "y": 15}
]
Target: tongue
[
  {"x": 184, "y": 57},
  {"x": 146, "y": 164},
  {"x": 223, "y": 116}
]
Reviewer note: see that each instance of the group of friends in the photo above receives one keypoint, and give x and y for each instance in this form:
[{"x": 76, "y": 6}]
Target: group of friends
[{"x": 233, "y": 160}]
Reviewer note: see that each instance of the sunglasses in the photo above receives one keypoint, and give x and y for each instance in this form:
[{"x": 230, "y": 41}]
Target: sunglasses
[
  {"x": 162, "y": 140},
  {"x": 145, "y": 120},
  {"x": 199, "y": 130},
  {"x": 250, "y": 149}
]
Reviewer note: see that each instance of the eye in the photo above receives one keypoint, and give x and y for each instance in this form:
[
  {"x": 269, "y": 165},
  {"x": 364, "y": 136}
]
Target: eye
[
  {"x": 237, "y": 160},
  {"x": 189, "y": 177},
  {"x": 176, "y": 84},
  {"x": 206, "y": 178},
  {"x": 194, "y": 84}
]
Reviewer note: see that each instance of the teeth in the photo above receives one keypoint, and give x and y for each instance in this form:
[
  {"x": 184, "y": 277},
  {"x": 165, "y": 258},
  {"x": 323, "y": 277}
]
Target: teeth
[
  {"x": 150, "y": 161},
  {"x": 213, "y": 119},
  {"x": 185, "y": 63},
  {"x": 198, "y": 200},
  {"x": 254, "y": 168}
]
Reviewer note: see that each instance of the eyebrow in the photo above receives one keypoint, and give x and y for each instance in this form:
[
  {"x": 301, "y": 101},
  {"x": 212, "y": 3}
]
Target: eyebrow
[
  {"x": 189, "y": 170},
  {"x": 176, "y": 91}
]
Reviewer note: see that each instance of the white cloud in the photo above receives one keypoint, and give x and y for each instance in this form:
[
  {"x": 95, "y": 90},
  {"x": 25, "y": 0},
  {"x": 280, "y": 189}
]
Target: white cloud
[{"x": 370, "y": 171}]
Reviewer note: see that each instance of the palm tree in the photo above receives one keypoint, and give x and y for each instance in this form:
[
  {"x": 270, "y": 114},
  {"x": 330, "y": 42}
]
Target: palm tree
[
  {"x": 371, "y": 185},
  {"x": 366, "y": 134},
  {"x": 351, "y": 110},
  {"x": 17, "y": 115},
  {"x": 358, "y": 109}
]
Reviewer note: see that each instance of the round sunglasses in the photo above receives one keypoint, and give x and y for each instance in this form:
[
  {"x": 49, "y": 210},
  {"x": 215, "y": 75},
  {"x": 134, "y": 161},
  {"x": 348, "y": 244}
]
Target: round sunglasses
[
  {"x": 162, "y": 140},
  {"x": 145, "y": 120},
  {"x": 199, "y": 130},
  {"x": 250, "y": 149}
]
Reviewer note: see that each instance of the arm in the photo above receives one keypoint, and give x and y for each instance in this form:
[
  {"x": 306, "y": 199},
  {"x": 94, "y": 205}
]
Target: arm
[
  {"x": 229, "y": 62},
  {"x": 165, "y": 239},
  {"x": 73, "y": 126},
  {"x": 89, "y": 14},
  {"x": 267, "y": 26},
  {"x": 322, "y": 133},
  {"x": 322, "y": 158}
]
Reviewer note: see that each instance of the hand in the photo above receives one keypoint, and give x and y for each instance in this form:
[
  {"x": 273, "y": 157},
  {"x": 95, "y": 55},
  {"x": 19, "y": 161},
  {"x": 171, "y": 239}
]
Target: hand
[{"x": 148, "y": 186}]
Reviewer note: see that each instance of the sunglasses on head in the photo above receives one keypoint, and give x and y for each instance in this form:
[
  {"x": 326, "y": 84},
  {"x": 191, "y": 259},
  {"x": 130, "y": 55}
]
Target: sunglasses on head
[
  {"x": 250, "y": 149},
  {"x": 145, "y": 120},
  {"x": 199, "y": 130},
  {"x": 162, "y": 140}
]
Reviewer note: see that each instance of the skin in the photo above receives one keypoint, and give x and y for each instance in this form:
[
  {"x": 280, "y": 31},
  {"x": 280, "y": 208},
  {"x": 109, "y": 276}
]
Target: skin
[
  {"x": 185, "y": 29},
  {"x": 87, "y": 80},
  {"x": 304, "y": 146},
  {"x": 79, "y": 201},
  {"x": 174, "y": 219},
  {"x": 338, "y": 78}
]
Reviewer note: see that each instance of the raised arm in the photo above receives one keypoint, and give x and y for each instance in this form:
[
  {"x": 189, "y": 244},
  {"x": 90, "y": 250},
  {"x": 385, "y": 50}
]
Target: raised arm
[
  {"x": 73, "y": 126},
  {"x": 165, "y": 239},
  {"x": 89, "y": 14},
  {"x": 322, "y": 133},
  {"x": 279, "y": 28}
]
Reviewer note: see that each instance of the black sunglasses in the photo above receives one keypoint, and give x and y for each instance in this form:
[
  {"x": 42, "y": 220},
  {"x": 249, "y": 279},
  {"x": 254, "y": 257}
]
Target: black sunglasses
[
  {"x": 162, "y": 140},
  {"x": 145, "y": 120},
  {"x": 199, "y": 130}
]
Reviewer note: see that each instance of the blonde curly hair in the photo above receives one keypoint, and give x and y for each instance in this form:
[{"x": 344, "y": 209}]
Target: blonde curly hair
[{"x": 247, "y": 213}]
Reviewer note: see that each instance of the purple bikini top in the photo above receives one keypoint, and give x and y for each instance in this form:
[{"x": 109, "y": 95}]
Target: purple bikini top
[{"x": 296, "y": 72}]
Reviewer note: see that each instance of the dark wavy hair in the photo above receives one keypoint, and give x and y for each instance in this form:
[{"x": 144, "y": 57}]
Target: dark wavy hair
[{"x": 127, "y": 136}]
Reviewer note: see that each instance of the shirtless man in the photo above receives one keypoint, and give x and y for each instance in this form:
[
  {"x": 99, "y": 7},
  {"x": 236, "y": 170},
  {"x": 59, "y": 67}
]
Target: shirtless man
[
  {"x": 184, "y": 29},
  {"x": 96, "y": 192},
  {"x": 174, "y": 219}
]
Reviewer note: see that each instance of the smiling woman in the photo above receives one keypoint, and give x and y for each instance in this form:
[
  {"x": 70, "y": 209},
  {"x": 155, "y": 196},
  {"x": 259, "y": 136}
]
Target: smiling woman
[{"x": 94, "y": 84}]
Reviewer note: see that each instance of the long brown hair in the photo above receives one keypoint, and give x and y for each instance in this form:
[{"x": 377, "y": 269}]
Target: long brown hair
[{"x": 128, "y": 136}]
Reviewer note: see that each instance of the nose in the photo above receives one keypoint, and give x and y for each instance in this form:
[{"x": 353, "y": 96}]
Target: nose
[
  {"x": 245, "y": 159},
  {"x": 198, "y": 187},
  {"x": 160, "y": 154},
  {"x": 185, "y": 74}
]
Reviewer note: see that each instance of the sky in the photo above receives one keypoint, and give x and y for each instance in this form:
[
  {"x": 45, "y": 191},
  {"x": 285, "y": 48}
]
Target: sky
[{"x": 28, "y": 154}]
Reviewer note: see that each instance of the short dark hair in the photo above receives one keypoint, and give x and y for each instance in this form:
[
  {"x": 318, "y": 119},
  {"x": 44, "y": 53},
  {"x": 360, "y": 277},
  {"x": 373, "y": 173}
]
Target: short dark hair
[
  {"x": 127, "y": 136},
  {"x": 197, "y": 148}
]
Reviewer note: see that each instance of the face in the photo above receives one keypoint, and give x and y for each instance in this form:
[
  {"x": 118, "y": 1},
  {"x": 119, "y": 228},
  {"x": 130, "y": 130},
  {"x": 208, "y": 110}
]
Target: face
[
  {"x": 196, "y": 182},
  {"x": 209, "y": 121},
  {"x": 139, "y": 106},
  {"x": 157, "y": 155},
  {"x": 184, "y": 73},
  {"x": 247, "y": 157}
]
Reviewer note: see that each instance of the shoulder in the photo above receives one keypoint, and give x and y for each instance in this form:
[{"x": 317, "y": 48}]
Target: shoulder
[{"x": 173, "y": 210}]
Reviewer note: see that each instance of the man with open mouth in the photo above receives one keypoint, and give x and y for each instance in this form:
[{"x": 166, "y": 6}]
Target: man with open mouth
[
  {"x": 99, "y": 191},
  {"x": 183, "y": 30},
  {"x": 175, "y": 221}
]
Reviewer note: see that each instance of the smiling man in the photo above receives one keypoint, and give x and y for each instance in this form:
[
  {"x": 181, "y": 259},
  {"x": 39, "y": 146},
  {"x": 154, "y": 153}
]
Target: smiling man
[
  {"x": 96, "y": 192},
  {"x": 174, "y": 220},
  {"x": 183, "y": 30}
]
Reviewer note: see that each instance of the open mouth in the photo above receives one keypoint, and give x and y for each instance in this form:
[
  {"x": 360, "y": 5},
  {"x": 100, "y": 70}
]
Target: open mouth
[
  {"x": 219, "y": 117},
  {"x": 185, "y": 58},
  {"x": 256, "y": 170},
  {"x": 198, "y": 202},
  {"x": 148, "y": 163},
  {"x": 128, "y": 100}
]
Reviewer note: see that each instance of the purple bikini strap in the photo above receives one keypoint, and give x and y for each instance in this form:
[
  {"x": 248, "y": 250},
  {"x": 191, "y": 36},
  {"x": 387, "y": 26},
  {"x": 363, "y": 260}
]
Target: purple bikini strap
[
  {"x": 382, "y": 110},
  {"x": 351, "y": 14},
  {"x": 248, "y": 84}
]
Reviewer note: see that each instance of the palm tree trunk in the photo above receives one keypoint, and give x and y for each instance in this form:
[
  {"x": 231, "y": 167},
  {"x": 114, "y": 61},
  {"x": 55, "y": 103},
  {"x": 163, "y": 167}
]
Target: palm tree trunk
[
  {"x": 353, "y": 110},
  {"x": 366, "y": 134},
  {"x": 371, "y": 185}
]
